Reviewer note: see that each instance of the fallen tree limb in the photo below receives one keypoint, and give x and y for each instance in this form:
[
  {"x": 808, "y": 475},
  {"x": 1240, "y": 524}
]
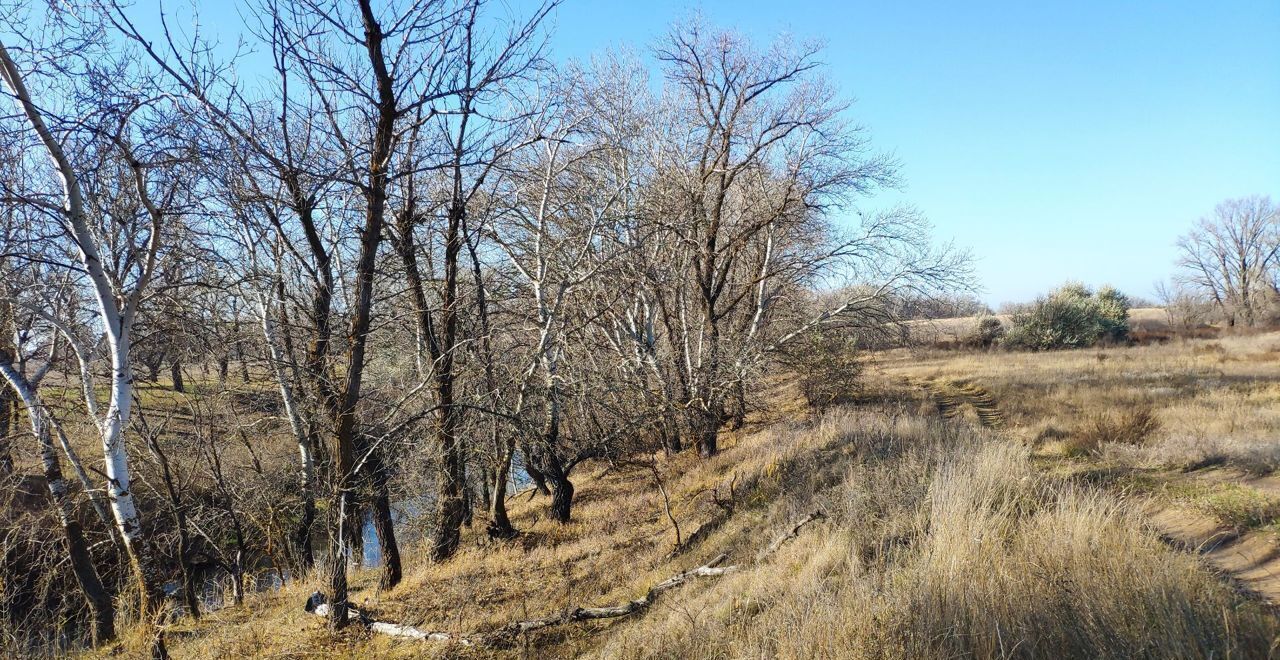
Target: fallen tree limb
[
  {"x": 317, "y": 605},
  {"x": 511, "y": 630},
  {"x": 506, "y": 634},
  {"x": 792, "y": 533}
]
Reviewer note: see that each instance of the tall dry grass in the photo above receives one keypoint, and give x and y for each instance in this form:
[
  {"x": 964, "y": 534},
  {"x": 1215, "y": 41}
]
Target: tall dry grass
[
  {"x": 945, "y": 543},
  {"x": 941, "y": 541}
]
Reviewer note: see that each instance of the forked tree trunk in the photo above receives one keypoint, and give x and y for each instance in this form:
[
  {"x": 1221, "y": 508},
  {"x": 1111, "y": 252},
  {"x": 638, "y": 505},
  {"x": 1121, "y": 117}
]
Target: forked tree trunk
[
  {"x": 101, "y": 607},
  {"x": 380, "y": 513},
  {"x": 561, "y": 504},
  {"x": 117, "y": 321},
  {"x": 500, "y": 526},
  {"x": 536, "y": 475}
]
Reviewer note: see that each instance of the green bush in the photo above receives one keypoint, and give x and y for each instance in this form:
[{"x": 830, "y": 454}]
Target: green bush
[
  {"x": 1071, "y": 317},
  {"x": 829, "y": 367}
]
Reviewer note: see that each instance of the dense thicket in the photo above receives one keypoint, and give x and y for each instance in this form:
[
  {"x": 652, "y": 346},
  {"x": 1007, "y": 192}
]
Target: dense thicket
[{"x": 391, "y": 253}]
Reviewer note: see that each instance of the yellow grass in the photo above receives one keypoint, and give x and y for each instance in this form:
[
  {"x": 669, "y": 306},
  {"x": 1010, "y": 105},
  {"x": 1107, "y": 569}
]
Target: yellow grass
[
  {"x": 1209, "y": 395},
  {"x": 943, "y": 540}
]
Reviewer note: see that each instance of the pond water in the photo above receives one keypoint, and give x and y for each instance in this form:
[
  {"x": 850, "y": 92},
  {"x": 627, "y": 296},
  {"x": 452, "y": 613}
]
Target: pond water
[{"x": 406, "y": 515}]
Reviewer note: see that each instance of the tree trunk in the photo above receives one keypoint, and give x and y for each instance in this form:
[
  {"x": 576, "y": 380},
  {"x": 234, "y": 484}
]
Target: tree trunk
[
  {"x": 670, "y": 429},
  {"x": 154, "y": 363},
  {"x": 241, "y": 354},
  {"x": 707, "y": 428},
  {"x": 119, "y": 491},
  {"x": 355, "y": 531},
  {"x": 450, "y": 474},
  {"x": 101, "y": 607},
  {"x": 302, "y": 535},
  {"x": 383, "y": 521},
  {"x": 538, "y": 478},
  {"x": 738, "y": 416},
  {"x": 224, "y": 367},
  {"x": 561, "y": 490},
  {"x": 468, "y": 499},
  {"x": 175, "y": 372},
  {"x": 278, "y": 357},
  {"x": 449, "y": 511},
  {"x": 500, "y": 526},
  {"x": 337, "y": 567},
  {"x": 383, "y": 526},
  {"x": 7, "y": 409},
  {"x": 190, "y": 586}
]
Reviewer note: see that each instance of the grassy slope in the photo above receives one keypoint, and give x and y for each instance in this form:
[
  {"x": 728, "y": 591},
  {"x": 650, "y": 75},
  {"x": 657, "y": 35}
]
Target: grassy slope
[{"x": 942, "y": 539}]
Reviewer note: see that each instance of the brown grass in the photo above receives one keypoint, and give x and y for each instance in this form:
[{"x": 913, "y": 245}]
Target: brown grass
[
  {"x": 1209, "y": 397},
  {"x": 1132, "y": 426},
  {"x": 952, "y": 546},
  {"x": 941, "y": 541}
]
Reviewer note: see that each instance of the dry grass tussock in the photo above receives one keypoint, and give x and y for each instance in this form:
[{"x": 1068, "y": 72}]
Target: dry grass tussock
[
  {"x": 941, "y": 541},
  {"x": 948, "y": 544}
]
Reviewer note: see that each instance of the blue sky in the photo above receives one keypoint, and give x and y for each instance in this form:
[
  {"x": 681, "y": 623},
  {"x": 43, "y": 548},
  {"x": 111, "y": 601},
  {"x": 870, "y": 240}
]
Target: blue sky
[
  {"x": 1066, "y": 140},
  {"x": 1056, "y": 140}
]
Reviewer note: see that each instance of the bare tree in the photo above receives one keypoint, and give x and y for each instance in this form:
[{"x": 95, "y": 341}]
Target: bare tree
[
  {"x": 15, "y": 367},
  {"x": 1233, "y": 258},
  {"x": 769, "y": 143},
  {"x": 116, "y": 194}
]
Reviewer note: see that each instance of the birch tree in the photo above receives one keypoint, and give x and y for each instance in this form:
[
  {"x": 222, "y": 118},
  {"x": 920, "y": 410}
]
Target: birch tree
[{"x": 116, "y": 196}]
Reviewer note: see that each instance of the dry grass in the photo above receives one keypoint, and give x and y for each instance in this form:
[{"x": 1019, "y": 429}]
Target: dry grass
[
  {"x": 1132, "y": 426},
  {"x": 941, "y": 541},
  {"x": 946, "y": 545},
  {"x": 1210, "y": 399}
]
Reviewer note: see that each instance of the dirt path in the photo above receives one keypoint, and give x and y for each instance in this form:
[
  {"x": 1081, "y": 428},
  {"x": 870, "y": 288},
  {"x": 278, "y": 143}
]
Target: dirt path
[
  {"x": 1268, "y": 485},
  {"x": 954, "y": 397},
  {"x": 1250, "y": 561}
]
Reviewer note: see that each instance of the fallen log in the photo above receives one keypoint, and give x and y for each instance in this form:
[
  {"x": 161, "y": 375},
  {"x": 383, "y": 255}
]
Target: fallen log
[
  {"x": 506, "y": 634},
  {"x": 317, "y": 605}
]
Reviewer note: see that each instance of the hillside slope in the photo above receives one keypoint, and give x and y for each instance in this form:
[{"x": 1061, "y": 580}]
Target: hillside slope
[{"x": 940, "y": 539}]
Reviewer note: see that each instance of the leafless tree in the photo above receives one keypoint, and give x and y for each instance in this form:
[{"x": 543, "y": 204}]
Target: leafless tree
[
  {"x": 1233, "y": 258},
  {"x": 113, "y": 186}
]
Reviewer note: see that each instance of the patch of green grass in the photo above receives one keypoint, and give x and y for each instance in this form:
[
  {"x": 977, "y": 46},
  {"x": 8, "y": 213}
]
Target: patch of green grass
[{"x": 1241, "y": 507}]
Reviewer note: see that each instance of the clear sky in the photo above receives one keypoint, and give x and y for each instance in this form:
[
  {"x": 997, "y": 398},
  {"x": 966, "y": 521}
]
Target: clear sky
[{"x": 1057, "y": 140}]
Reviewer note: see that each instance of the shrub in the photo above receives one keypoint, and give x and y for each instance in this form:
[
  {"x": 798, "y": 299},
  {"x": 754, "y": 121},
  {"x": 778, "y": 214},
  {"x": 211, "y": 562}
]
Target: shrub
[
  {"x": 828, "y": 365},
  {"x": 1071, "y": 317},
  {"x": 987, "y": 334},
  {"x": 1133, "y": 426},
  {"x": 1113, "y": 314}
]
